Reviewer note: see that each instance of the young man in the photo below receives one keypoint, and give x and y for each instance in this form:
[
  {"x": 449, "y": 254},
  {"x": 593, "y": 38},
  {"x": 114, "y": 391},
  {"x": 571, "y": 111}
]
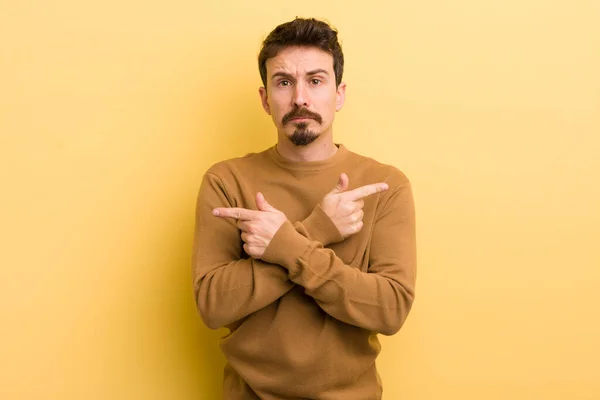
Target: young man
[{"x": 305, "y": 251}]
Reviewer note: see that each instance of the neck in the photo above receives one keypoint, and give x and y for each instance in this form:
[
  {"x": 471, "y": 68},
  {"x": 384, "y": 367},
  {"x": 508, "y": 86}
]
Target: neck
[{"x": 321, "y": 149}]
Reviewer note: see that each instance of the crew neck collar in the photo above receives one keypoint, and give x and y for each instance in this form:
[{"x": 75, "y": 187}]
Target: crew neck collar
[{"x": 334, "y": 159}]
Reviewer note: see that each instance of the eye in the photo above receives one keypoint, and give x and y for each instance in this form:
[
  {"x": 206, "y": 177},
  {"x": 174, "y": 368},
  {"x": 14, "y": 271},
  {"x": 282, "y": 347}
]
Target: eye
[
  {"x": 285, "y": 83},
  {"x": 315, "y": 81}
]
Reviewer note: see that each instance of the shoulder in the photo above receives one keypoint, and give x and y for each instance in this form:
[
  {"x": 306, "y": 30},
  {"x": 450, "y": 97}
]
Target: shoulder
[
  {"x": 231, "y": 168},
  {"x": 398, "y": 199},
  {"x": 373, "y": 170}
]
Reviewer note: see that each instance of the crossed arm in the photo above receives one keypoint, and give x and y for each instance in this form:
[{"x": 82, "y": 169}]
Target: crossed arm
[{"x": 228, "y": 289}]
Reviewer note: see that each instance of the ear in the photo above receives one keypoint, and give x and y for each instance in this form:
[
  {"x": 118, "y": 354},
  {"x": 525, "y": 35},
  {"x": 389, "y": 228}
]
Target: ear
[
  {"x": 264, "y": 98},
  {"x": 340, "y": 96}
]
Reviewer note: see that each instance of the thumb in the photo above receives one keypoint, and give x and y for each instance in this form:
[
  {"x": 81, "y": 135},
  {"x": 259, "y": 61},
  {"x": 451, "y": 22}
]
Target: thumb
[
  {"x": 342, "y": 184},
  {"x": 262, "y": 203}
]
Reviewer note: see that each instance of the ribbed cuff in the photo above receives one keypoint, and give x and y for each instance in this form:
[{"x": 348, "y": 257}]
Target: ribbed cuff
[
  {"x": 318, "y": 226},
  {"x": 286, "y": 247}
]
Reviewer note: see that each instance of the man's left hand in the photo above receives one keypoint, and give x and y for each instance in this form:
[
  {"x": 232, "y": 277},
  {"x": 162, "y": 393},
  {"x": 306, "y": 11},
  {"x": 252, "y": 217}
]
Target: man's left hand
[{"x": 258, "y": 227}]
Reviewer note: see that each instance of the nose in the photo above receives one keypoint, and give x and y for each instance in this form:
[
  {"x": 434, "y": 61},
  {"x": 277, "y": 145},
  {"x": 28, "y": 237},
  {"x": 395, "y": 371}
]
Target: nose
[{"x": 301, "y": 96}]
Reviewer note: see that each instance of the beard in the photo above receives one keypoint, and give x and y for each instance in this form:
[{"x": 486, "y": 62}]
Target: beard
[{"x": 302, "y": 136}]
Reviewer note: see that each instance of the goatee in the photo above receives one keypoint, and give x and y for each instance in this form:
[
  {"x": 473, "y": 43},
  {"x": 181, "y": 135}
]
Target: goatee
[{"x": 302, "y": 136}]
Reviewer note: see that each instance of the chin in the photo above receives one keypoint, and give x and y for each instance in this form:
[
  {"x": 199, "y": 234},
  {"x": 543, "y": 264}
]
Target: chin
[{"x": 303, "y": 137}]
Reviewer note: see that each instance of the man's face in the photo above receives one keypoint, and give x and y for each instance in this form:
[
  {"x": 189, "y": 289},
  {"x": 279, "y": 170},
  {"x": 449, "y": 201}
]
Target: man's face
[{"x": 301, "y": 94}]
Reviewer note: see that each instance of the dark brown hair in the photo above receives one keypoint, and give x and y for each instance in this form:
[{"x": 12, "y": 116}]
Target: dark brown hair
[{"x": 302, "y": 32}]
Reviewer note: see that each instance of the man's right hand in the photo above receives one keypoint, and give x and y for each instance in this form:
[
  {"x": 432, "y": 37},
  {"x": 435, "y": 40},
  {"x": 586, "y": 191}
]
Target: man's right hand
[{"x": 345, "y": 208}]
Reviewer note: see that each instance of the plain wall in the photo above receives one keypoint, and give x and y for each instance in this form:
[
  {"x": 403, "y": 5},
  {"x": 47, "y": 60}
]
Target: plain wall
[{"x": 110, "y": 112}]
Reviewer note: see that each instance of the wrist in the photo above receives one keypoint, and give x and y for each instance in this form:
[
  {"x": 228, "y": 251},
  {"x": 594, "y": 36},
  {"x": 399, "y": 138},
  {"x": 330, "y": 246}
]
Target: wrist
[
  {"x": 319, "y": 226},
  {"x": 286, "y": 247}
]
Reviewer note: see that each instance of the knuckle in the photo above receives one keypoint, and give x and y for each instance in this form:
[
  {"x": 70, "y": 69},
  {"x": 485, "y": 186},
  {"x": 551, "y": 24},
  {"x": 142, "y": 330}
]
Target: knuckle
[{"x": 252, "y": 228}]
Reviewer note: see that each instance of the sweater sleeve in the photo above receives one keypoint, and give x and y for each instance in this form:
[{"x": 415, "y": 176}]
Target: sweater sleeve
[
  {"x": 379, "y": 299},
  {"x": 228, "y": 287},
  {"x": 318, "y": 226}
]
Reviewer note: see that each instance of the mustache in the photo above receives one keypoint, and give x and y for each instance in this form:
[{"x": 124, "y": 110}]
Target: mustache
[{"x": 301, "y": 113}]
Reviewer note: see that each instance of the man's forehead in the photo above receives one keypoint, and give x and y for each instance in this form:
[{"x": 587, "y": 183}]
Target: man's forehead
[{"x": 300, "y": 59}]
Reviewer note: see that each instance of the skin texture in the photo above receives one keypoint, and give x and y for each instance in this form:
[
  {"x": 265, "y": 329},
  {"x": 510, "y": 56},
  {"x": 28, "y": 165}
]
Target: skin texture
[{"x": 301, "y": 81}]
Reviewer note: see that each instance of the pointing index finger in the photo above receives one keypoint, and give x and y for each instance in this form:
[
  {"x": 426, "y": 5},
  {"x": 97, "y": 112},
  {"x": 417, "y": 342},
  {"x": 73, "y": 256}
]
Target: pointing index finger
[
  {"x": 234, "y": 212},
  {"x": 366, "y": 191}
]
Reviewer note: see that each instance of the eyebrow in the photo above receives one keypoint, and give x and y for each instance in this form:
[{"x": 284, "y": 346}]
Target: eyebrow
[{"x": 289, "y": 76}]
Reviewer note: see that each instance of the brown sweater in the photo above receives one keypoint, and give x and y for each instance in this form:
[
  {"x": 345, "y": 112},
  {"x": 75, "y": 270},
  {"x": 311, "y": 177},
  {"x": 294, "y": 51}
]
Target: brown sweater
[{"x": 304, "y": 320}]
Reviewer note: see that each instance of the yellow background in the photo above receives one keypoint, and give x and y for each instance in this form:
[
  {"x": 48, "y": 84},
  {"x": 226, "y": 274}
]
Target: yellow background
[{"x": 111, "y": 111}]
